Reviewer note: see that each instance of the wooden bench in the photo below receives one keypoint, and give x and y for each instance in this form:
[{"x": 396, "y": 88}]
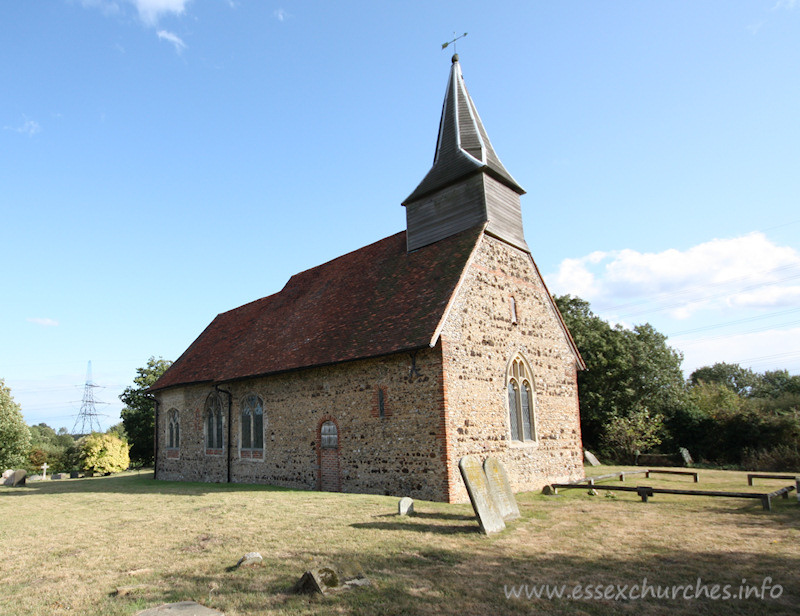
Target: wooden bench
[
  {"x": 694, "y": 474},
  {"x": 795, "y": 478},
  {"x": 645, "y": 492},
  {"x": 621, "y": 475}
]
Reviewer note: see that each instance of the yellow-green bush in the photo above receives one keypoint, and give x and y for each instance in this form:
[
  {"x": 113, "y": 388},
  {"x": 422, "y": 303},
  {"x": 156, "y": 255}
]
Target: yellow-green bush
[{"x": 104, "y": 453}]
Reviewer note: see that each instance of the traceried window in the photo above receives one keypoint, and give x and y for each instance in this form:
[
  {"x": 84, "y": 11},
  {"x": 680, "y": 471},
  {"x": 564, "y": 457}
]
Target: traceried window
[
  {"x": 252, "y": 420},
  {"x": 521, "y": 401},
  {"x": 173, "y": 429},
  {"x": 329, "y": 435},
  {"x": 213, "y": 419}
]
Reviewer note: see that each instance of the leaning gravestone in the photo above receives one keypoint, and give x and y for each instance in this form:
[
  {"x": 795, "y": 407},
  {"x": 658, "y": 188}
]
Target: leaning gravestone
[
  {"x": 590, "y": 458},
  {"x": 686, "y": 456},
  {"x": 18, "y": 478},
  {"x": 478, "y": 489},
  {"x": 500, "y": 488}
]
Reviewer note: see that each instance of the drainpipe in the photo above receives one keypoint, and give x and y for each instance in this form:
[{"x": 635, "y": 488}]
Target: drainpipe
[
  {"x": 228, "y": 442},
  {"x": 155, "y": 433}
]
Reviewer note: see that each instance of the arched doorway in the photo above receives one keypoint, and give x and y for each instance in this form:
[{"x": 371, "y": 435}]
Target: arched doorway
[{"x": 329, "y": 477}]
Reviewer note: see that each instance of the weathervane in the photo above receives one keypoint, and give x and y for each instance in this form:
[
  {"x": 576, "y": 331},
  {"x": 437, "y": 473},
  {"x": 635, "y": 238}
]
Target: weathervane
[{"x": 453, "y": 42}]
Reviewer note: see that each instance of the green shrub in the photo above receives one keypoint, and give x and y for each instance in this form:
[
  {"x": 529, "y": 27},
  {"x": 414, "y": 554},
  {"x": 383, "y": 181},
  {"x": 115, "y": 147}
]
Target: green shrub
[
  {"x": 104, "y": 453},
  {"x": 779, "y": 459},
  {"x": 639, "y": 431}
]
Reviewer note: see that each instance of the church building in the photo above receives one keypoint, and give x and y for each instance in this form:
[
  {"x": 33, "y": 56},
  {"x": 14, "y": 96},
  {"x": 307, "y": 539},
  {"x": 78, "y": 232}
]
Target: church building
[{"x": 377, "y": 371}]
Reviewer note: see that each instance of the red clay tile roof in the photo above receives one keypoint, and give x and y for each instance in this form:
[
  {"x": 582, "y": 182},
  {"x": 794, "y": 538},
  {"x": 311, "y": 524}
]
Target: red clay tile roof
[{"x": 374, "y": 301}]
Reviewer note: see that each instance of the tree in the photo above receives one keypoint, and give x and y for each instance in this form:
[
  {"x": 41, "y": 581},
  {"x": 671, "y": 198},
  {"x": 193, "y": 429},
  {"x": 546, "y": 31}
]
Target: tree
[
  {"x": 138, "y": 416},
  {"x": 639, "y": 431},
  {"x": 104, "y": 453},
  {"x": 627, "y": 370},
  {"x": 738, "y": 379},
  {"x": 15, "y": 437},
  {"x": 774, "y": 384},
  {"x": 56, "y": 448}
]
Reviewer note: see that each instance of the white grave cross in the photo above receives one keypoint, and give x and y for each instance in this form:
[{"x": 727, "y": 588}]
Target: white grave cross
[{"x": 44, "y": 471}]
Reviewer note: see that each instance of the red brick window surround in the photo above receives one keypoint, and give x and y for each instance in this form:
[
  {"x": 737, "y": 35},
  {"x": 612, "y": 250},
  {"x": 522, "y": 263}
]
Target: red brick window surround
[
  {"x": 521, "y": 400},
  {"x": 173, "y": 433},
  {"x": 213, "y": 426},
  {"x": 252, "y": 428}
]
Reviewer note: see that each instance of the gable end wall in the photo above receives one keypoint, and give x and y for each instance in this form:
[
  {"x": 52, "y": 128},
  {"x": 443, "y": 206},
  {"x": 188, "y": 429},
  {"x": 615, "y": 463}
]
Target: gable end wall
[{"x": 479, "y": 340}]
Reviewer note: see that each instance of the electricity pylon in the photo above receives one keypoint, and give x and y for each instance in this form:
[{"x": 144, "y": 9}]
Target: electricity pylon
[{"x": 87, "y": 417}]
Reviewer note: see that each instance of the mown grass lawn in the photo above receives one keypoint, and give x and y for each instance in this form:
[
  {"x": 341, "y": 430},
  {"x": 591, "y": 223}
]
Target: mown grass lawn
[{"x": 68, "y": 545}]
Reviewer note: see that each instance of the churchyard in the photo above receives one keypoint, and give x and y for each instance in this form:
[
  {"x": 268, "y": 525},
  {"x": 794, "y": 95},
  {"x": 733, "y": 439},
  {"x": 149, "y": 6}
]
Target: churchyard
[{"x": 116, "y": 545}]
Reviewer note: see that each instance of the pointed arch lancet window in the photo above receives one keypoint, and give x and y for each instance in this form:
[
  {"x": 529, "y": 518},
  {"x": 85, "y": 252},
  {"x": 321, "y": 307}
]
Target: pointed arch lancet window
[
  {"x": 213, "y": 416},
  {"x": 521, "y": 401},
  {"x": 173, "y": 429},
  {"x": 252, "y": 422}
]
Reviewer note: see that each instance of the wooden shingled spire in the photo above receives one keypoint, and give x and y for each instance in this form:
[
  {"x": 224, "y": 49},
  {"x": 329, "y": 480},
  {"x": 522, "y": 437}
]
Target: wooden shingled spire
[{"x": 467, "y": 184}]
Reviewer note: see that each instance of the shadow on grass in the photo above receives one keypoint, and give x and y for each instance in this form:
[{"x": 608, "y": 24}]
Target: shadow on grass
[
  {"x": 408, "y": 524},
  {"x": 430, "y": 515},
  {"x": 480, "y": 580},
  {"x": 133, "y": 483}
]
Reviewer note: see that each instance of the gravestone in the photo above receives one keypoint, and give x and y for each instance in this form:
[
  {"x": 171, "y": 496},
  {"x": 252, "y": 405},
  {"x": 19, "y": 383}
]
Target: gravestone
[
  {"x": 590, "y": 458},
  {"x": 250, "y": 559},
  {"x": 184, "y": 608},
  {"x": 7, "y": 477},
  {"x": 57, "y": 476},
  {"x": 405, "y": 506},
  {"x": 18, "y": 478},
  {"x": 44, "y": 468},
  {"x": 686, "y": 456},
  {"x": 319, "y": 580},
  {"x": 478, "y": 489},
  {"x": 500, "y": 489}
]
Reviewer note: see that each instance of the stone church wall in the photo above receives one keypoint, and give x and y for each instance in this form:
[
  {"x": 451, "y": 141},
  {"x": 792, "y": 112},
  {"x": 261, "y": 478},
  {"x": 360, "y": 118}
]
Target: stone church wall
[
  {"x": 479, "y": 340},
  {"x": 398, "y": 451}
]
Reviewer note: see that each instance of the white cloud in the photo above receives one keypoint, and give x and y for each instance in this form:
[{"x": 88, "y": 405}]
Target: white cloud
[
  {"x": 747, "y": 271},
  {"x": 785, "y": 4},
  {"x": 44, "y": 322},
  {"x": 172, "y": 38},
  {"x": 150, "y": 11},
  {"x": 281, "y": 14},
  {"x": 28, "y": 127}
]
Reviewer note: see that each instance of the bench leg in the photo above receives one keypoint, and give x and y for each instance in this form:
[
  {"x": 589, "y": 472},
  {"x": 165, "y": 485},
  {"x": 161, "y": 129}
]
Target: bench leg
[{"x": 766, "y": 502}]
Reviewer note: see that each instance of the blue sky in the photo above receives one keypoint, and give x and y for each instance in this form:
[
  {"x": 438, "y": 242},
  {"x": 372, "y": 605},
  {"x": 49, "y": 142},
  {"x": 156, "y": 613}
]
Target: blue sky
[{"x": 162, "y": 161}]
